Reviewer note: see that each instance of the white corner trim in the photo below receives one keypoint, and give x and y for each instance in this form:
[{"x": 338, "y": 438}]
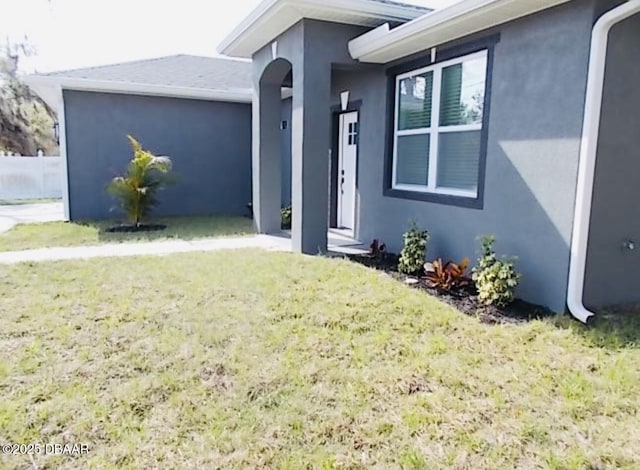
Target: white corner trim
[
  {"x": 238, "y": 95},
  {"x": 588, "y": 155},
  {"x": 62, "y": 132}
]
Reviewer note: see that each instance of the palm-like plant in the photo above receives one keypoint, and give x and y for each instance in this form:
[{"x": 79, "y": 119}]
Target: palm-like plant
[{"x": 136, "y": 191}]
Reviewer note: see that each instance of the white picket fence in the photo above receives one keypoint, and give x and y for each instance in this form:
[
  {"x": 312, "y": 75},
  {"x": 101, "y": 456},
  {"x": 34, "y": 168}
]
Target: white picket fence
[{"x": 30, "y": 177}]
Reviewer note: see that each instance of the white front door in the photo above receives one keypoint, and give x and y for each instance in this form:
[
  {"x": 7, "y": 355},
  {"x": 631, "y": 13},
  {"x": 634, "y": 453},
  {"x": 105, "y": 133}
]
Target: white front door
[{"x": 347, "y": 164}]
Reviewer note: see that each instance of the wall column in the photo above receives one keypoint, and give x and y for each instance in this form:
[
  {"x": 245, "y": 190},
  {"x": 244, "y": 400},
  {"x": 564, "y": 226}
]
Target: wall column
[
  {"x": 310, "y": 154},
  {"x": 266, "y": 158}
]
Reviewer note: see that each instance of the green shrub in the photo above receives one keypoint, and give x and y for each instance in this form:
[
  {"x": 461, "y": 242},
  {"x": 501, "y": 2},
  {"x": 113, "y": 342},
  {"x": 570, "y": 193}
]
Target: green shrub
[
  {"x": 285, "y": 217},
  {"x": 496, "y": 279},
  {"x": 414, "y": 250},
  {"x": 136, "y": 191}
]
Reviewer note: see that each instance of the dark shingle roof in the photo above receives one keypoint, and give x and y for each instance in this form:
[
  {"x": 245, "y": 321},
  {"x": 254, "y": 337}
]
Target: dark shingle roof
[{"x": 179, "y": 71}]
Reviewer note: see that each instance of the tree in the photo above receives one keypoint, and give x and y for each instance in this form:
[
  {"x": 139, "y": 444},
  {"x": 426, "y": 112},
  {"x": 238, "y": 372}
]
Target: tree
[
  {"x": 136, "y": 191},
  {"x": 26, "y": 122}
]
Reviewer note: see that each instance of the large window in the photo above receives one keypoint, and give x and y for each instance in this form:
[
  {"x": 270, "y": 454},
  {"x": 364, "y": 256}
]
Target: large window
[{"x": 438, "y": 127}]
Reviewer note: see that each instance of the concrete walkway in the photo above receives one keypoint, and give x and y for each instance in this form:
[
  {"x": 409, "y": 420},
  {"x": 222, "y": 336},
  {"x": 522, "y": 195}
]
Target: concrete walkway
[
  {"x": 13, "y": 214},
  {"x": 337, "y": 243},
  {"x": 266, "y": 242}
]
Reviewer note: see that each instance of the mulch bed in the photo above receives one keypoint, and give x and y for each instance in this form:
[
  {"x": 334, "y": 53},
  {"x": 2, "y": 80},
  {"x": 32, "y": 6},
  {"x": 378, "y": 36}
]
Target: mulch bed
[
  {"x": 465, "y": 300},
  {"x": 128, "y": 228}
]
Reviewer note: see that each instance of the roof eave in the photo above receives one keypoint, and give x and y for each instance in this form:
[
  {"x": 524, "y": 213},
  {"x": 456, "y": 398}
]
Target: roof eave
[
  {"x": 41, "y": 84},
  {"x": 272, "y": 17},
  {"x": 441, "y": 26}
]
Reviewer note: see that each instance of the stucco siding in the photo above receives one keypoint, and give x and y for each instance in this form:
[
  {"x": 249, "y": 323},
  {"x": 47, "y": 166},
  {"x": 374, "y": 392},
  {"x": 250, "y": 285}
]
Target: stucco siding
[
  {"x": 209, "y": 143},
  {"x": 612, "y": 275},
  {"x": 537, "y": 105},
  {"x": 285, "y": 144}
]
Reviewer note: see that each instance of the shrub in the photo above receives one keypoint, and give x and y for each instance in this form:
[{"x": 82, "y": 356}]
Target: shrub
[
  {"x": 414, "y": 250},
  {"x": 136, "y": 191},
  {"x": 285, "y": 217},
  {"x": 448, "y": 277},
  {"x": 496, "y": 279}
]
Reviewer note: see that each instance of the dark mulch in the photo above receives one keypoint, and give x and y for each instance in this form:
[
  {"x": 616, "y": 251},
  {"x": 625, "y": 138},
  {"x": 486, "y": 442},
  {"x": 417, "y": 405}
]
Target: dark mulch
[
  {"x": 465, "y": 300},
  {"x": 127, "y": 228}
]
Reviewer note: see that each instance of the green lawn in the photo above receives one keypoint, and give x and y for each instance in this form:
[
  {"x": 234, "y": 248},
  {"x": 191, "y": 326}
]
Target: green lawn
[
  {"x": 249, "y": 359},
  {"x": 50, "y": 234}
]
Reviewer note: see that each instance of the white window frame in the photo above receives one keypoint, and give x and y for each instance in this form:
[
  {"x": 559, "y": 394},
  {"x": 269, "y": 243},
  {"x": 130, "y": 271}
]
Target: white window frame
[{"x": 435, "y": 130}]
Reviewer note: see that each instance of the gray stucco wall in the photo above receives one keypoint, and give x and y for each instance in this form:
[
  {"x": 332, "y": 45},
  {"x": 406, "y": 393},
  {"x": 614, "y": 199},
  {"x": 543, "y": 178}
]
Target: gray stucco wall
[
  {"x": 612, "y": 275},
  {"x": 209, "y": 143},
  {"x": 539, "y": 83},
  {"x": 286, "y": 152}
]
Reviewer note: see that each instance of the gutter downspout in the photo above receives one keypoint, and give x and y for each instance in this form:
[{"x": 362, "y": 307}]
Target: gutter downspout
[{"x": 588, "y": 154}]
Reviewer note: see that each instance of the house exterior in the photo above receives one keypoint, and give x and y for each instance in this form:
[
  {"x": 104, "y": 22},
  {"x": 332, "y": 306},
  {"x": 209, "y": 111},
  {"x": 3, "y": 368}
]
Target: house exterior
[
  {"x": 197, "y": 110},
  {"x": 508, "y": 117}
]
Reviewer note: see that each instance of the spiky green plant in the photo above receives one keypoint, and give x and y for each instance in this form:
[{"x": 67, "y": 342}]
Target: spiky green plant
[{"x": 136, "y": 191}]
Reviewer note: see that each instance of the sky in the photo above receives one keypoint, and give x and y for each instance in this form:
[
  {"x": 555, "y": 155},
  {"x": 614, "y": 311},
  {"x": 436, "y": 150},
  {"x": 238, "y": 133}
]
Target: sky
[{"x": 71, "y": 34}]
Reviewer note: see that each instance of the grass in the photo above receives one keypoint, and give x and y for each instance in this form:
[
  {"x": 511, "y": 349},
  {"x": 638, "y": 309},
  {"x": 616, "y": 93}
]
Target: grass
[
  {"x": 251, "y": 359},
  {"x": 50, "y": 234}
]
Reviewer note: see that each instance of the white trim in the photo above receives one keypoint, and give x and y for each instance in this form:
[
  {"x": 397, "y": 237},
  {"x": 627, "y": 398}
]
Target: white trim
[
  {"x": 460, "y": 128},
  {"x": 588, "y": 155},
  {"x": 272, "y": 17},
  {"x": 434, "y": 131},
  {"x": 420, "y": 131},
  {"x": 441, "y": 26},
  {"x": 434, "y": 140},
  {"x": 62, "y": 132},
  {"x": 445, "y": 63},
  {"x": 350, "y": 231},
  {"x": 238, "y": 95},
  {"x": 341, "y": 124},
  {"x": 344, "y": 100},
  {"x": 437, "y": 190}
]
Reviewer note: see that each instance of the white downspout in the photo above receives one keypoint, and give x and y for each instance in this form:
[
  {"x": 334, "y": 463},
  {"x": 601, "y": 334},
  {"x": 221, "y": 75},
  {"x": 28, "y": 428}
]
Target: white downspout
[{"x": 588, "y": 151}]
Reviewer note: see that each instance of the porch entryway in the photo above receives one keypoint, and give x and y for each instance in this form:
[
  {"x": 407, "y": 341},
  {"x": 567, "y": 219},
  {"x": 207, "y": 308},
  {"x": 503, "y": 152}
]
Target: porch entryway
[{"x": 299, "y": 64}]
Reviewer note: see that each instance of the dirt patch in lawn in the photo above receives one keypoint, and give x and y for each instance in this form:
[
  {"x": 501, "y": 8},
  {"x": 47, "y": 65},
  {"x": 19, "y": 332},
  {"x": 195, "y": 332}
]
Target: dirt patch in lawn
[
  {"x": 127, "y": 228},
  {"x": 465, "y": 300}
]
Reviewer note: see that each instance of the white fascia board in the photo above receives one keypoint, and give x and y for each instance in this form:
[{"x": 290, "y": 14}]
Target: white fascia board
[
  {"x": 438, "y": 27},
  {"x": 588, "y": 155},
  {"x": 239, "y": 95},
  {"x": 261, "y": 12},
  {"x": 273, "y": 17},
  {"x": 49, "y": 92}
]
